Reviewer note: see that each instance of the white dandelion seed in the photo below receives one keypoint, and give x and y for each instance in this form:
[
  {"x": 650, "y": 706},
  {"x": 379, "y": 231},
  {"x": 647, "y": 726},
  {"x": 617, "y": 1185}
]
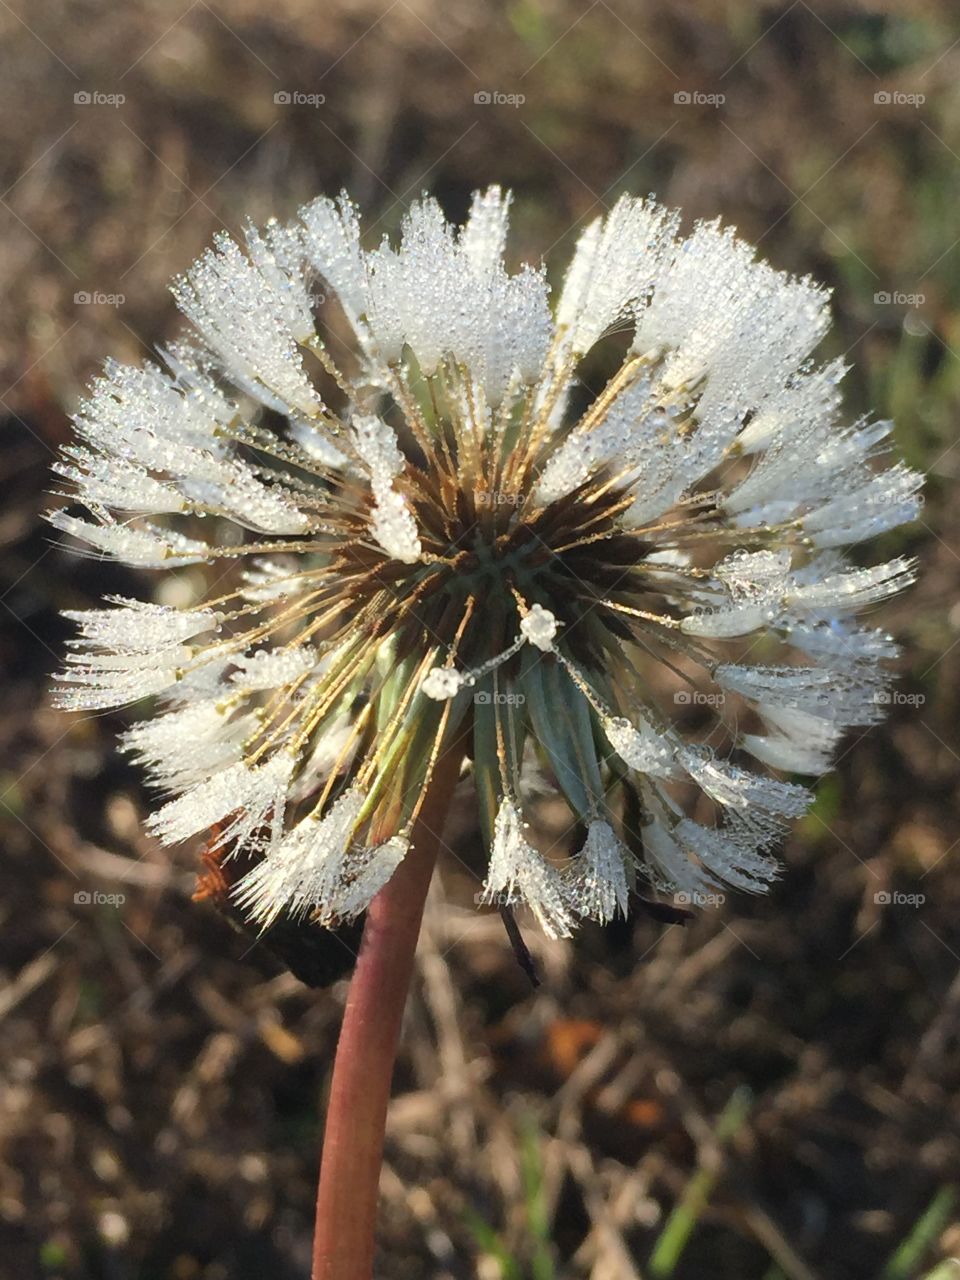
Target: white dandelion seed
[
  {"x": 519, "y": 874},
  {"x": 598, "y": 883}
]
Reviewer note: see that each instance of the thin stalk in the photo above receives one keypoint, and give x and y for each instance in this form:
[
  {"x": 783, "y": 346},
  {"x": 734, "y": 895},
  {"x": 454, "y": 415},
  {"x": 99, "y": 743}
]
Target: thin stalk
[{"x": 363, "y": 1070}]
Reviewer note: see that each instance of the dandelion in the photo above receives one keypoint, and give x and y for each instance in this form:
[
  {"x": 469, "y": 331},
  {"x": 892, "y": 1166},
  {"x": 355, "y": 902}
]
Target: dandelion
[
  {"x": 444, "y": 514},
  {"x": 443, "y": 527}
]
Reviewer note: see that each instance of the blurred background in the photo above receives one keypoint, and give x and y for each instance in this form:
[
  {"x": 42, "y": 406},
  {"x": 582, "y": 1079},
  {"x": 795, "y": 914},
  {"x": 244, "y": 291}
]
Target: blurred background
[{"x": 770, "y": 1093}]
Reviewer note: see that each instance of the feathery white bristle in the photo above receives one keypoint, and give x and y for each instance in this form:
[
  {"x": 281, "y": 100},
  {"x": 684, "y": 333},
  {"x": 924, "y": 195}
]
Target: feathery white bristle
[
  {"x": 615, "y": 266},
  {"x": 391, "y": 522},
  {"x": 518, "y": 874},
  {"x": 845, "y": 697},
  {"x": 799, "y": 742},
  {"x": 308, "y": 869},
  {"x": 183, "y": 747},
  {"x": 270, "y": 668},
  {"x": 597, "y": 882},
  {"x": 145, "y": 548},
  {"x": 238, "y": 799},
  {"x": 641, "y": 747},
  {"x": 253, "y": 319},
  {"x": 736, "y": 788}
]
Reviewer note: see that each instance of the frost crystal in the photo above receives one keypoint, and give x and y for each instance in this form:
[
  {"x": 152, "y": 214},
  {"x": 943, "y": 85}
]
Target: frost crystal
[
  {"x": 454, "y": 505},
  {"x": 539, "y": 628},
  {"x": 441, "y": 683}
]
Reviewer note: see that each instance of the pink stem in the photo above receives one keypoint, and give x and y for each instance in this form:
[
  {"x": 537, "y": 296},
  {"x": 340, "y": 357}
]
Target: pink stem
[{"x": 343, "y": 1246}]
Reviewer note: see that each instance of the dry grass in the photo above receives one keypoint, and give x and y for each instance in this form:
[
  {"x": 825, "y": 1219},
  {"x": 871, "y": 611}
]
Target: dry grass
[{"x": 164, "y": 1082}]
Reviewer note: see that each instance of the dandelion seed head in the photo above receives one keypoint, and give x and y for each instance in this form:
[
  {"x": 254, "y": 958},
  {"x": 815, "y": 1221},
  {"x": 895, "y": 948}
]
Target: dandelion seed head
[{"x": 637, "y": 597}]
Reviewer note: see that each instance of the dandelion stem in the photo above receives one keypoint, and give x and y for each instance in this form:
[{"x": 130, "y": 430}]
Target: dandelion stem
[{"x": 363, "y": 1070}]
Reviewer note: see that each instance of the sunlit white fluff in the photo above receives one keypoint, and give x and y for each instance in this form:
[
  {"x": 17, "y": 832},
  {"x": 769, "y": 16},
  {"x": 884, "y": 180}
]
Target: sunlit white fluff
[
  {"x": 518, "y": 873},
  {"x": 441, "y": 533}
]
